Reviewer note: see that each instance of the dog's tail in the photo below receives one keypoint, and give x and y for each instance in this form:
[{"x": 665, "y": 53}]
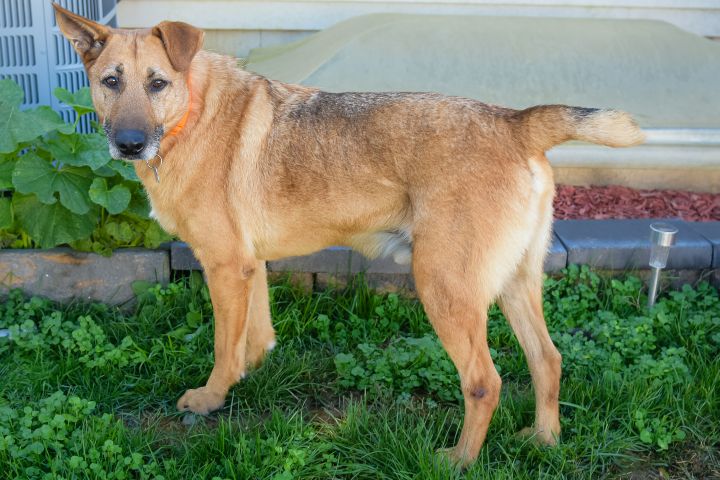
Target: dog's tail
[{"x": 545, "y": 126}]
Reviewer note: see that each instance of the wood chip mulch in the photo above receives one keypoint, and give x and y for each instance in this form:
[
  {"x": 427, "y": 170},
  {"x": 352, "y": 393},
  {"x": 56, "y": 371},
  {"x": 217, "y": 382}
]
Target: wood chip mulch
[{"x": 621, "y": 202}]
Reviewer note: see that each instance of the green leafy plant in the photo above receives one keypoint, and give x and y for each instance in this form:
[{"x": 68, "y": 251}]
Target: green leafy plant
[
  {"x": 657, "y": 431},
  {"x": 404, "y": 366},
  {"x": 58, "y": 186},
  {"x": 357, "y": 387},
  {"x": 59, "y": 437}
]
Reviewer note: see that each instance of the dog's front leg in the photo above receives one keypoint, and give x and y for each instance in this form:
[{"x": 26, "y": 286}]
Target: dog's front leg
[{"x": 231, "y": 290}]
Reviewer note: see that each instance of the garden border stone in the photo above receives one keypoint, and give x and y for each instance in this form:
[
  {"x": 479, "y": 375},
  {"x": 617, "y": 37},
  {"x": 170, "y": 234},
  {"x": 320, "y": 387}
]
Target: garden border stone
[
  {"x": 63, "y": 274},
  {"x": 711, "y": 231},
  {"x": 605, "y": 244},
  {"x": 625, "y": 244}
]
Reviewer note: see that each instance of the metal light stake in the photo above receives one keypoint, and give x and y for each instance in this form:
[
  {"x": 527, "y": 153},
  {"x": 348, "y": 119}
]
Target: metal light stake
[{"x": 662, "y": 237}]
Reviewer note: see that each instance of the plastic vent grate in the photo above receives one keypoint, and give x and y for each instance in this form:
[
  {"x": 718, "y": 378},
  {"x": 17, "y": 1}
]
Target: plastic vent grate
[
  {"x": 17, "y": 51},
  {"x": 35, "y": 55},
  {"x": 15, "y": 13}
]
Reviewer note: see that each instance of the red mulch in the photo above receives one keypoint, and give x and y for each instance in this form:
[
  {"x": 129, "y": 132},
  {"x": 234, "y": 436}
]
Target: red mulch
[{"x": 621, "y": 202}]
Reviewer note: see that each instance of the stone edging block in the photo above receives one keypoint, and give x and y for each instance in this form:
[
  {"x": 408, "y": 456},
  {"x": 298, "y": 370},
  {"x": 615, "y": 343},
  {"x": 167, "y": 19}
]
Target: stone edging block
[
  {"x": 625, "y": 244},
  {"x": 63, "y": 274},
  {"x": 711, "y": 231},
  {"x": 606, "y": 244}
]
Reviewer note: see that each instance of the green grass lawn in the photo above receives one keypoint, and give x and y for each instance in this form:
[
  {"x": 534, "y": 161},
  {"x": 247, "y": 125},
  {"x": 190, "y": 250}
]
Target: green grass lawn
[{"x": 358, "y": 387}]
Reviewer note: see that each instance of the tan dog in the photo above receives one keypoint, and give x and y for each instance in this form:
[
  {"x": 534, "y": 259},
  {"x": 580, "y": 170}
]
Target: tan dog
[{"x": 255, "y": 170}]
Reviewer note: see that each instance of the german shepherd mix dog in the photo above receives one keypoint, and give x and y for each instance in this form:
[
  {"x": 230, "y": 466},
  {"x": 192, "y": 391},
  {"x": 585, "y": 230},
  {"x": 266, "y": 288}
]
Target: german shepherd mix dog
[{"x": 247, "y": 169}]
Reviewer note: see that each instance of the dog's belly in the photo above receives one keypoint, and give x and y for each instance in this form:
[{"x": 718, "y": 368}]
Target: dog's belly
[{"x": 396, "y": 244}]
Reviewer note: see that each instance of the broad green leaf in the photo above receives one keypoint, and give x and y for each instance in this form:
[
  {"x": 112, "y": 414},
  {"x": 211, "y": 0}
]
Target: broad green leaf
[
  {"x": 122, "y": 232},
  {"x": 44, "y": 120},
  {"x": 51, "y": 225},
  {"x": 35, "y": 175},
  {"x": 6, "y": 219},
  {"x": 7, "y": 165},
  {"x": 115, "y": 200},
  {"x": 80, "y": 150},
  {"x": 10, "y": 93},
  {"x": 139, "y": 204},
  {"x": 125, "y": 169},
  {"x": 113, "y": 167},
  {"x": 80, "y": 101},
  {"x": 18, "y": 126},
  {"x": 104, "y": 171},
  {"x": 155, "y": 235}
]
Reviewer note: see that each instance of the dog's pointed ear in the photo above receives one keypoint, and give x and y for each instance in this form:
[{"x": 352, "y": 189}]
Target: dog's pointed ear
[
  {"x": 181, "y": 41},
  {"x": 87, "y": 37}
]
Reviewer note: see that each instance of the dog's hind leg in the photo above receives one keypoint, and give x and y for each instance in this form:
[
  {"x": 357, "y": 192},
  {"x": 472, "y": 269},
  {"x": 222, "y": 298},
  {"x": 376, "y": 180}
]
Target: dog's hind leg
[
  {"x": 521, "y": 302},
  {"x": 231, "y": 289},
  {"x": 456, "y": 305},
  {"x": 260, "y": 335}
]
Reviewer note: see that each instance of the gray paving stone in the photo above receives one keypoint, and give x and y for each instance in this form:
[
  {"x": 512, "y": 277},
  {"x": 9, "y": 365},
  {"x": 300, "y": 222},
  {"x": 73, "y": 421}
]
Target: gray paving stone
[
  {"x": 182, "y": 258},
  {"x": 556, "y": 258},
  {"x": 330, "y": 260},
  {"x": 63, "y": 274},
  {"x": 711, "y": 231},
  {"x": 625, "y": 244}
]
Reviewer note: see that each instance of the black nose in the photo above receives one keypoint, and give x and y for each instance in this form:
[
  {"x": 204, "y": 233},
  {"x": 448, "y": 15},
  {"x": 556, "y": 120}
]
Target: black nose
[{"x": 130, "y": 142}]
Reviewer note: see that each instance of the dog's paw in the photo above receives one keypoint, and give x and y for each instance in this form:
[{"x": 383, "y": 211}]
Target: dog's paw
[
  {"x": 541, "y": 437},
  {"x": 453, "y": 458},
  {"x": 201, "y": 401}
]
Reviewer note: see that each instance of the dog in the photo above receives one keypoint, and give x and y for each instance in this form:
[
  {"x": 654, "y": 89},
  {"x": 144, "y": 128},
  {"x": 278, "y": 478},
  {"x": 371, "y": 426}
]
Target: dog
[{"x": 246, "y": 169}]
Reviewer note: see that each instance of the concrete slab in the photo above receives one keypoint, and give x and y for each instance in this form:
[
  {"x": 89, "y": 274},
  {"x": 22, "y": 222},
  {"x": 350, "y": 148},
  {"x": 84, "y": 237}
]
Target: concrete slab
[
  {"x": 63, "y": 274},
  {"x": 625, "y": 244}
]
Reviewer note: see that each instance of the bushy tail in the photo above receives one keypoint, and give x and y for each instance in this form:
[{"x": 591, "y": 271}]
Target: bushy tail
[{"x": 545, "y": 126}]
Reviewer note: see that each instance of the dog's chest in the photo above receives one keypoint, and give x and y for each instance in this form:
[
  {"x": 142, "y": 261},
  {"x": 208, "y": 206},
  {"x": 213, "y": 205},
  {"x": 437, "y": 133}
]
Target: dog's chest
[{"x": 163, "y": 216}]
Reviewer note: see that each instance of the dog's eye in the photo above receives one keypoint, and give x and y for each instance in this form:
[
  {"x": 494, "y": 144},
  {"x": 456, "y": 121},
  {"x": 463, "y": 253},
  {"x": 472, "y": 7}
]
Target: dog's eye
[
  {"x": 157, "y": 85},
  {"x": 111, "y": 82}
]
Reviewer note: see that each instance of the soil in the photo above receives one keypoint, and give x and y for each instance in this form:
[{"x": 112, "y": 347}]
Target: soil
[{"x": 618, "y": 202}]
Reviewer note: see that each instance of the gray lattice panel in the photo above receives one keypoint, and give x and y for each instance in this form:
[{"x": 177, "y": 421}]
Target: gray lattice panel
[{"x": 34, "y": 53}]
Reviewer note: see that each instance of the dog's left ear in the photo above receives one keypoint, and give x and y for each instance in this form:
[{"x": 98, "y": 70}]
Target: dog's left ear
[
  {"x": 87, "y": 37},
  {"x": 181, "y": 41}
]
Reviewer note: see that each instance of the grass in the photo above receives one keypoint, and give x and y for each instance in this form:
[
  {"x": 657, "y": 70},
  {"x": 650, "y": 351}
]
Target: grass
[{"x": 357, "y": 388}]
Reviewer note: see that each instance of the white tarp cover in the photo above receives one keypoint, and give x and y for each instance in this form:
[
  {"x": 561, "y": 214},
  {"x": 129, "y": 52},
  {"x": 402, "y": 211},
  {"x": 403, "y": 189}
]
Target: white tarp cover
[{"x": 666, "y": 77}]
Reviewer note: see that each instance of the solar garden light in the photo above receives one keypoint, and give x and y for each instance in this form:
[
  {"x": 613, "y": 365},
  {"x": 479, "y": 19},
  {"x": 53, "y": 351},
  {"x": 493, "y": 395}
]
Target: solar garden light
[{"x": 662, "y": 237}]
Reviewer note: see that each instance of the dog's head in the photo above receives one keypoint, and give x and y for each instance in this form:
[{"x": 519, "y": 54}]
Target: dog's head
[{"x": 138, "y": 79}]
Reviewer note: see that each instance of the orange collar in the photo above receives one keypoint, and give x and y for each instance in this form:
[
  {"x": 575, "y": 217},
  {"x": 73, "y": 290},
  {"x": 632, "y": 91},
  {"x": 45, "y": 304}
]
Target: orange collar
[{"x": 181, "y": 124}]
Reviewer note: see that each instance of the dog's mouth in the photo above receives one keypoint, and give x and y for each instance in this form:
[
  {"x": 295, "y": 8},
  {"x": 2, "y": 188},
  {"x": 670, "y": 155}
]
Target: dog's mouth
[{"x": 148, "y": 150}]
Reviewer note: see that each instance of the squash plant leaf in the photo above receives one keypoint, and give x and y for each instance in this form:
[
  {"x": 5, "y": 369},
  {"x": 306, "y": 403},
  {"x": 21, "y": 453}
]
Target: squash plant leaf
[
  {"x": 10, "y": 93},
  {"x": 115, "y": 200},
  {"x": 6, "y": 219},
  {"x": 125, "y": 169},
  {"x": 18, "y": 126},
  {"x": 80, "y": 101},
  {"x": 80, "y": 150},
  {"x": 7, "y": 164},
  {"x": 36, "y": 175},
  {"x": 51, "y": 225},
  {"x": 139, "y": 205}
]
